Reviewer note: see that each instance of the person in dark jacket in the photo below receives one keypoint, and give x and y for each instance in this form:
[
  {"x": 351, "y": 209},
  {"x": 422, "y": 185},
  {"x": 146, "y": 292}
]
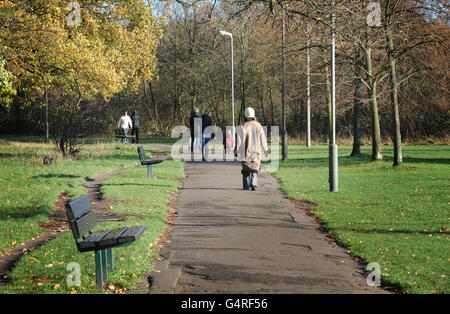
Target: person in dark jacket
[
  {"x": 195, "y": 141},
  {"x": 206, "y": 122},
  {"x": 135, "y": 129}
]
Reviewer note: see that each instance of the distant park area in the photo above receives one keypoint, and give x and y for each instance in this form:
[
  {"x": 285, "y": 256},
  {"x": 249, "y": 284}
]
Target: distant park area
[
  {"x": 397, "y": 217},
  {"x": 224, "y": 147}
]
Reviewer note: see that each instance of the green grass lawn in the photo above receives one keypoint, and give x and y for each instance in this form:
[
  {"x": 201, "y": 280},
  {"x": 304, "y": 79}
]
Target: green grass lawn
[
  {"x": 397, "y": 217},
  {"x": 30, "y": 189}
]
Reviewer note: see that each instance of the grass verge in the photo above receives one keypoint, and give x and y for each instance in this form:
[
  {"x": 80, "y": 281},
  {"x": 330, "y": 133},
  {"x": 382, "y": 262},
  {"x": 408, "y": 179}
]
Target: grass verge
[
  {"x": 397, "y": 217},
  {"x": 32, "y": 189}
]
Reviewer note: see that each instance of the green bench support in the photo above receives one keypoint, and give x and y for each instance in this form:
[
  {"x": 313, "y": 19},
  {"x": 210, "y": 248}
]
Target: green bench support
[
  {"x": 82, "y": 221},
  {"x": 148, "y": 162},
  {"x": 122, "y": 138}
]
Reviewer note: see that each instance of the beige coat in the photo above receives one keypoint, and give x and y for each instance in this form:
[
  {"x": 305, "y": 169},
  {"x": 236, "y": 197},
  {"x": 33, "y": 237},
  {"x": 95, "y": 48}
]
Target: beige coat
[{"x": 250, "y": 140}]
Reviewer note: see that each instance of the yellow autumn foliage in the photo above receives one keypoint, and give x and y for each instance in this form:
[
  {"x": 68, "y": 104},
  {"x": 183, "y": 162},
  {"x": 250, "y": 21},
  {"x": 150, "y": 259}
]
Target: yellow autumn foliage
[{"x": 112, "y": 46}]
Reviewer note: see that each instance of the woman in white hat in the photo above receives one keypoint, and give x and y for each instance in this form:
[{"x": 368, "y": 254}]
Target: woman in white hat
[{"x": 250, "y": 140}]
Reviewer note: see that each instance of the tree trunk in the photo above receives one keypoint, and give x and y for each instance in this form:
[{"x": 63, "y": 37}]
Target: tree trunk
[
  {"x": 155, "y": 107},
  {"x": 397, "y": 137},
  {"x": 271, "y": 105},
  {"x": 147, "y": 102},
  {"x": 376, "y": 137},
  {"x": 357, "y": 104},
  {"x": 261, "y": 101},
  {"x": 242, "y": 75}
]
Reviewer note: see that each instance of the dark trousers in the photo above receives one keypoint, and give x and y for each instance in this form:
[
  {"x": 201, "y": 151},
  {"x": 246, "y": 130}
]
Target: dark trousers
[{"x": 135, "y": 132}]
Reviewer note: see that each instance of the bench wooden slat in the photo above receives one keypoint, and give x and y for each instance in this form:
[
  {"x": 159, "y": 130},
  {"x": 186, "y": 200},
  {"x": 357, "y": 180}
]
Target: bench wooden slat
[
  {"x": 79, "y": 207},
  {"x": 141, "y": 153},
  {"x": 89, "y": 243},
  {"x": 112, "y": 238},
  {"x": 147, "y": 162},
  {"x": 84, "y": 224},
  {"x": 131, "y": 234}
]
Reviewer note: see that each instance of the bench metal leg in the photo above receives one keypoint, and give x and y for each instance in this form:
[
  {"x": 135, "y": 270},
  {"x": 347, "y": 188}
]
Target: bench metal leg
[
  {"x": 109, "y": 259},
  {"x": 99, "y": 269},
  {"x": 104, "y": 266},
  {"x": 149, "y": 171}
]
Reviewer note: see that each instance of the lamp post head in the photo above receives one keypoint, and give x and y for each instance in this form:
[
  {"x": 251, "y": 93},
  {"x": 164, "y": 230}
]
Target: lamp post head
[{"x": 224, "y": 33}]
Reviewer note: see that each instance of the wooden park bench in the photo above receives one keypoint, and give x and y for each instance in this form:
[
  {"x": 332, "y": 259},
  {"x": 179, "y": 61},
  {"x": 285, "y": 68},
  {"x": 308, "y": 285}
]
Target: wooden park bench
[
  {"x": 148, "y": 162},
  {"x": 120, "y": 134},
  {"x": 82, "y": 220}
]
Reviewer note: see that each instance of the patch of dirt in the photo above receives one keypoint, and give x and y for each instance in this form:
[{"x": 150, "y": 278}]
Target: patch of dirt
[
  {"x": 58, "y": 223},
  {"x": 55, "y": 226}
]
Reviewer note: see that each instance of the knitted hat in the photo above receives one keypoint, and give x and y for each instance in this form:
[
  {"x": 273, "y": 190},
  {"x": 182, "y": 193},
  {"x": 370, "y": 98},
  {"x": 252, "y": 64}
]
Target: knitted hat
[{"x": 249, "y": 112}]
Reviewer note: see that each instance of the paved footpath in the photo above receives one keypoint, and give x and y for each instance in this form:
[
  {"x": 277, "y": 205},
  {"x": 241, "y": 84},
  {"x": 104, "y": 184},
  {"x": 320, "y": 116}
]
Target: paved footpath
[{"x": 227, "y": 240}]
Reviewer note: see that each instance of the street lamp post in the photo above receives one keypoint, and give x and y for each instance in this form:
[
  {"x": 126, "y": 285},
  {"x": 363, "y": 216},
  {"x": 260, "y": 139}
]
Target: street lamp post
[
  {"x": 284, "y": 138},
  {"x": 46, "y": 113},
  {"x": 333, "y": 151},
  {"x": 224, "y": 33}
]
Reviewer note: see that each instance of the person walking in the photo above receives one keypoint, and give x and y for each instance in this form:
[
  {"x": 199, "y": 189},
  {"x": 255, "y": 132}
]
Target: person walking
[
  {"x": 125, "y": 124},
  {"x": 135, "y": 130},
  {"x": 229, "y": 142},
  {"x": 250, "y": 140},
  {"x": 196, "y": 131},
  {"x": 206, "y": 122}
]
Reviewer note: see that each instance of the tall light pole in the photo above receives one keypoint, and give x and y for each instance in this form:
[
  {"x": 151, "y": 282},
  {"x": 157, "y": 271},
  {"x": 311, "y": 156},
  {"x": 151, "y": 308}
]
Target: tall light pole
[
  {"x": 308, "y": 96},
  {"x": 46, "y": 113},
  {"x": 224, "y": 33},
  {"x": 284, "y": 138},
  {"x": 333, "y": 151}
]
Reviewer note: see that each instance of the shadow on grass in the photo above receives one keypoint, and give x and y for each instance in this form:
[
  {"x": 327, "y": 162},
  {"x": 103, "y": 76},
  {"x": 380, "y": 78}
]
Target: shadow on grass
[
  {"x": 444, "y": 161},
  {"x": 19, "y": 155},
  {"x": 387, "y": 231},
  {"x": 54, "y": 175},
  {"x": 323, "y": 161},
  {"x": 22, "y": 212},
  {"x": 348, "y": 161}
]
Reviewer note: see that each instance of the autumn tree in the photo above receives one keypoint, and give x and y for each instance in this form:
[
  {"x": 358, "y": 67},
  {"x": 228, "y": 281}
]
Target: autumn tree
[{"x": 112, "y": 45}]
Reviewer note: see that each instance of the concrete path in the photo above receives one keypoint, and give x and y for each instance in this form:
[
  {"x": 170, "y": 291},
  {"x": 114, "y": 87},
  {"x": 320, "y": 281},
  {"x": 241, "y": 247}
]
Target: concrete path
[{"x": 226, "y": 240}]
